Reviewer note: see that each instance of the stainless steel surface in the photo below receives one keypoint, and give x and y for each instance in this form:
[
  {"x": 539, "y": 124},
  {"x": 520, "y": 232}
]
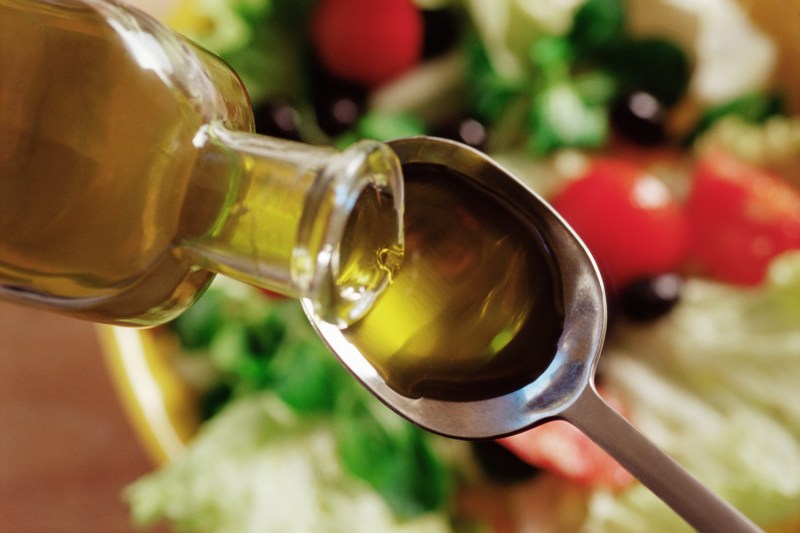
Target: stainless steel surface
[
  {"x": 566, "y": 389},
  {"x": 668, "y": 480}
]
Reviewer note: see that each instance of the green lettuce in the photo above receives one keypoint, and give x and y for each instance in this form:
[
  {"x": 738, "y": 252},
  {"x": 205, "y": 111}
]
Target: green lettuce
[
  {"x": 286, "y": 419},
  {"x": 259, "y": 467},
  {"x": 508, "y": 28},
  {"x": 548, "y": 72}
]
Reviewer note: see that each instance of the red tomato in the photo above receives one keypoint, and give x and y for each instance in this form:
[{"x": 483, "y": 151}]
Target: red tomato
[
  {"x": 741, "y": 217},
  {"x": 563, "y": 449},
  {"x": 272, "y": 295},
  {"x": 629, "y": 220},
  {"x": 367, "y": 41}
]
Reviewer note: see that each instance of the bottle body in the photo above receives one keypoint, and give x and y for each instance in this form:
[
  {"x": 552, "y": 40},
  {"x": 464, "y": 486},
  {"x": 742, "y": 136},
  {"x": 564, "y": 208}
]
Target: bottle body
[{"x": 118, "y": 181}]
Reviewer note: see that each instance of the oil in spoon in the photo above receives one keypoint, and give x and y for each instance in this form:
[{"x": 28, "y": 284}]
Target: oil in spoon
[{"x": 475, "y": 311}]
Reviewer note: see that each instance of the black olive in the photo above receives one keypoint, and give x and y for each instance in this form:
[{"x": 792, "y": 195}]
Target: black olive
[
  {"x": 442, "y": 30},
  {"x": 338, "y": 104},
  {"x": 640, "y": 118},
  {"x": 277, "y": 119},
  {"x": 647, "y": 299},
  {"x": 501, "y": 465},
  {"x": 468, "y": 131},
  {"x": 339, "y": 113}
]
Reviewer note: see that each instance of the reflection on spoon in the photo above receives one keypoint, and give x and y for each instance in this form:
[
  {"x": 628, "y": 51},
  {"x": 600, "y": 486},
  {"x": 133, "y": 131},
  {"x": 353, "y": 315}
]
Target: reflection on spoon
[{"x": 486, "y": 336}]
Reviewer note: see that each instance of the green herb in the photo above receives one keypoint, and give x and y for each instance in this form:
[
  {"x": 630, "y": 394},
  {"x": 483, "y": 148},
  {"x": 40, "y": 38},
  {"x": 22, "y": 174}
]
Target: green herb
[
  {"x": 597, "y": 25},
  {"x": 307, "y": 376},
  {"x": 229, "y": 349},
  {"x": 392, "y": 455},
  {"x": 197, "y": 325},
  {"x": 265, "y": 333},
  {"x": 489, "y": 93},
  {"x": 652, "y": 64},
  {"x": 259, "y": 345},
  {"x": 560, "y": 116},
  {"x": 563, "y": 94}
]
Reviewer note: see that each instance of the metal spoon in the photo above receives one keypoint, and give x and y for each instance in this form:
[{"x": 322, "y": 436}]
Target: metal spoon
[{"x": 566, "y": 389}]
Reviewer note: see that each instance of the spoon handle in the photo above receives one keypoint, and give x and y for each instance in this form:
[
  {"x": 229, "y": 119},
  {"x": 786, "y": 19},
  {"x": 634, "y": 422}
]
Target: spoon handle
[{"x": 668, "y": 480}]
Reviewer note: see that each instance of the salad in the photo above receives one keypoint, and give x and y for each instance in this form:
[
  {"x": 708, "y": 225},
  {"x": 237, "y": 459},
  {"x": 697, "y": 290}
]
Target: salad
[{"x": 660, "y": 129}]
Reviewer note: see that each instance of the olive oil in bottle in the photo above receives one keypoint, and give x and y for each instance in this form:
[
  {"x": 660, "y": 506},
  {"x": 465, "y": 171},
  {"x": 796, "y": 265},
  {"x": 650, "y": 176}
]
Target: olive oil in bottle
[
  {"x": 475, "y": 311},
  {"x": 129, "y": 176}
]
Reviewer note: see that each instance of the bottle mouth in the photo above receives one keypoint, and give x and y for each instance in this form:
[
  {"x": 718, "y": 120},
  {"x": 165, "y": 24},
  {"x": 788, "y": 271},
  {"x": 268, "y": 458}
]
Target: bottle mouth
[{"x": 351, "y": 233}]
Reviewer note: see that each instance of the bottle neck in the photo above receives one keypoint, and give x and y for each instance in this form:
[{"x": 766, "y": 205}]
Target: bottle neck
[{"x": 300, "y": 220}]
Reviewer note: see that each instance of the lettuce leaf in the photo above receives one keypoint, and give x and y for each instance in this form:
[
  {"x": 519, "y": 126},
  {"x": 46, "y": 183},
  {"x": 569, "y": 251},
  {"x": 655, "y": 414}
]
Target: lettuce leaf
[
  {"x": 258, "y": 467},
  {"x": 286, "y": 401},
  {"x": 716, "y": 385}
]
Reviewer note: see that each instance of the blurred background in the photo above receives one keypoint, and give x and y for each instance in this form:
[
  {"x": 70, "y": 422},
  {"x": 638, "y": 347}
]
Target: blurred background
[{"x": 66, "y": 447}]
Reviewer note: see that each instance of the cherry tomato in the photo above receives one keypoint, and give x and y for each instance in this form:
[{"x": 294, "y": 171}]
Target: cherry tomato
[
  {"x": 367, "y": 41},
  {"x": 561, "y": 448},
  {"x": 629, "y": 220},
  {"x": 741, "y": 218}
]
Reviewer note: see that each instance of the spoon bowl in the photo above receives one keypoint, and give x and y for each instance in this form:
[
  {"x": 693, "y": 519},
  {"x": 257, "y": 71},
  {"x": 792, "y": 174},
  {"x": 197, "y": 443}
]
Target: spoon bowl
[
  {"x": 573, "y": 363},
  {"x": 565, "y": 389}
]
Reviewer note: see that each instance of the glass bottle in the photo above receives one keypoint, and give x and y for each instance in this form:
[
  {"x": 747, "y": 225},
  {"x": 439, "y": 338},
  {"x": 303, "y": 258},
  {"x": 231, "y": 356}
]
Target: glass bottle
[{"x": 129, "y": 176}]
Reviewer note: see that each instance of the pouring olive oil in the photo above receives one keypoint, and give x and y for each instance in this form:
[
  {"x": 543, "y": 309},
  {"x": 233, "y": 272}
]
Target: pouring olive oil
[{"x": 129, "y": 176}]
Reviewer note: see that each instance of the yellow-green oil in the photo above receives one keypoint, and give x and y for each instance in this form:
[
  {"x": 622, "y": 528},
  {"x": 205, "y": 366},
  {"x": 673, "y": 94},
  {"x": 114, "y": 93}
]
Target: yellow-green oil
[{"x": 475, "y": 311}]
